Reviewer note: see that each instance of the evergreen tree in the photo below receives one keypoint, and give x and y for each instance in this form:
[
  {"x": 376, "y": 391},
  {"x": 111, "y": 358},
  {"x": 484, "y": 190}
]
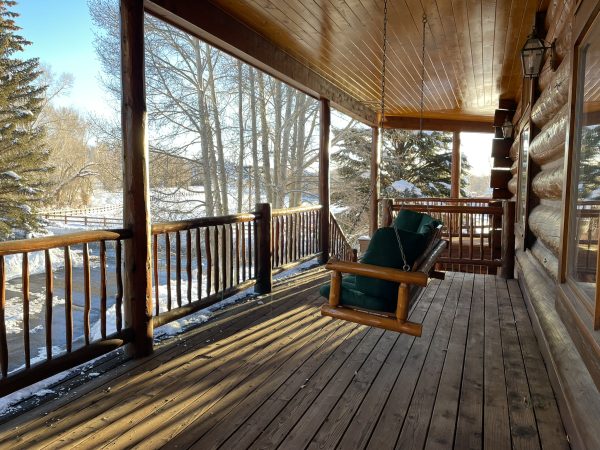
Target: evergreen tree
[
  {"x": 23, "y": 159},
  {"x": 411, "y": 166}
]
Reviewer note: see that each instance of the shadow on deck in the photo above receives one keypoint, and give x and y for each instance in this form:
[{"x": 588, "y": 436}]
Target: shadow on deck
[{"x": 279, "y": 374}]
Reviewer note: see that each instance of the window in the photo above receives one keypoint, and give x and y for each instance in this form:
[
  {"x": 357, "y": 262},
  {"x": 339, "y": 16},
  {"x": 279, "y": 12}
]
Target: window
[
  {"x": 523, "y": 157},
  {"x": 585, "y": 199}
]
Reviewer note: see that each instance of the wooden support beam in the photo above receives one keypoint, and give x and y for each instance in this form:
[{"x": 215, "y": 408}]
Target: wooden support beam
[
  {"x": 264, "y": 268},
  {"x": 136, "y": 200},
  {"x": 508, "y": 240},
  {"x": 412, "y": 123},
  {"x": 213, "y": 25},
  {"x": 375, "y": 180},
  {"x": 455, "y": 168},
  {"x": 324, "y": 183}
]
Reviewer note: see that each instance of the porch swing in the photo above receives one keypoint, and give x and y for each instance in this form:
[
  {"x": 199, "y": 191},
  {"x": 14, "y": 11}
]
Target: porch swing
[{"x": 399, "y": 262}]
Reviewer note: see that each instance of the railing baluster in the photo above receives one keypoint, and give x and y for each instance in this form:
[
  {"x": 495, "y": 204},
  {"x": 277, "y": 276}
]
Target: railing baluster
[
  {"x": 155, "y": 270},
  {"x": 88, "y": 293},
  {"x": 199, "y": 263},
  {"x": 3, "y": 341},
  {"x": 168, "y": 262},
  {"x": 49, "y": 296},
  {"x": 237, "y": 253},
  {"x": 243, "y": 241},
  {"x": 188, "y": 255},
  {"x": 119, "y": 299},
  {"x": 208, "y": 260},
  {"x": 231, "y": 255},
  {"x": 216, "y": 260},
  {"x": 25, "y": 279},
  {"x": 481, "y": 236},
  {"x": 460, "y": 236},
  {"x": 103, "y": 289},
  {"x": 225, "y": 261},
  {"x": 470, "y": 236},
  {"x": 68, "y": 299},
  {"x": 178, "y": 266},
  {"x": 277, "y": 247}
]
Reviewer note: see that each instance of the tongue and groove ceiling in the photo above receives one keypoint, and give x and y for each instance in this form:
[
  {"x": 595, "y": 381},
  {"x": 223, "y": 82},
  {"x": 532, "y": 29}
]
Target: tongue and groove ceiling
[{"x": 472, "y": 48}]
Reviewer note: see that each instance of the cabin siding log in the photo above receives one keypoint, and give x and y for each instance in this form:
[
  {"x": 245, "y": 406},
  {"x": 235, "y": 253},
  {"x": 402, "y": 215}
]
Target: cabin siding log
[
  {"x": 513, "y": 185},
  {"x": 554, "y": 97},
  {"x": 548, "y": 184},
  {"x": 514, "y": 149},
  {"x": 545, "y": 258},
  {"x": 549, "y": 144},
  {"x": 570, "y": 377},
  {"x": 544, "y": 223}
]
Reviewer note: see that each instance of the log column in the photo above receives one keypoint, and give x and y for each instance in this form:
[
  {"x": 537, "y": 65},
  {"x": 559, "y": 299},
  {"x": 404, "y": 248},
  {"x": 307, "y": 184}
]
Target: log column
[
  {"x": 375, "y": 180},
  {"x": 136, "y": 217},
  {"x": 455, "y": 170},
  {"x": 324, "y": 184}
]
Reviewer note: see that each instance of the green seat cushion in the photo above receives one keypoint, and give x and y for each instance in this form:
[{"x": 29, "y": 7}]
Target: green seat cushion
[
  {"x": 384, "y": 251},
  {"x": 354, "y": 298},
  {"x": 348, "y": 281}
]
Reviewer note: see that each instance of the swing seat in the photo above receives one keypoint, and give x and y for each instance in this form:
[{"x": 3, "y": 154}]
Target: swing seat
[{"x": 377, "y": 292}]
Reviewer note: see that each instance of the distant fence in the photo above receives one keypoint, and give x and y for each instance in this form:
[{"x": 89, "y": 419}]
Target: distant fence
[{"x": 86, "y": 221}]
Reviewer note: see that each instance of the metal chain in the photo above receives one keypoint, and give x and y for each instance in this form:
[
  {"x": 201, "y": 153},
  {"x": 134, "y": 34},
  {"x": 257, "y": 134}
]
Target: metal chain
[
  {"x": 422, "y": 80},
  {"x": 383, "y": 65}
]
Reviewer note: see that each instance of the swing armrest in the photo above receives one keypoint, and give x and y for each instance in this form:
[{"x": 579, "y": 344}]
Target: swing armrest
[{"x": 379, "y": 272}]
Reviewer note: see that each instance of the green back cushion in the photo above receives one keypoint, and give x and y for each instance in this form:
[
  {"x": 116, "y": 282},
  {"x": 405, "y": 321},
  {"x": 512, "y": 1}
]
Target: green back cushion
[
  {"x": 384, "y": 251},
  {"x": 408, "y": 220}
]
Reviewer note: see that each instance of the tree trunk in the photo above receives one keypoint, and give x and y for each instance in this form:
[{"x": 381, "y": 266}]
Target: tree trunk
[
  {"x": 208, "y": 191},
  {"x": 240, "y": 181},
  {"x": 288, "y": 125},
  {"x": 264, "y": 131},
  {"x": 222, "y": 174},
  {"x": 277, "y": 144},
  {"x": 255, "y": 169},
  {"x": 299, "y": 157}
]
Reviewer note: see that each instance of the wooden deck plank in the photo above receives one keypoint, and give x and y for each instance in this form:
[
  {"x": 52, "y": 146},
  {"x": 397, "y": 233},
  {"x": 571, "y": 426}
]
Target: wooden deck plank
[
  {"x": 326, "y": 388},
  {"x": 392, "y": 416},
  {"x": 201, "y": 382},
  {"x": 365, "y": 384},
  {"x": 280, "y": 375},
  {"x": 496, "y": 428},
  {"x": 416, "y": 424},
  {"x": 550, "y": 428},
  {"x": 76, "y": 414},
  {"x": 444, "y": 417},
  {"x": 469, "y": 425},
  {"x": 290, "y": 379},
  {"x": 523, "y": 428}
]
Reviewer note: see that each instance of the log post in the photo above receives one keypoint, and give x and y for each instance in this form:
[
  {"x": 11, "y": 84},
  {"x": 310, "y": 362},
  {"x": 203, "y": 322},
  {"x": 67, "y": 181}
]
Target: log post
[
  {"x": 324, "y": 186},
  {"x": 136, "y": 217},
  {"x": 386, "y": 212},
  {"x": 508, "y": 240},
  {"x": 264, "y": 271},
  {"x": 455, "y": 170},
  {"x": 375, "y": 181}
]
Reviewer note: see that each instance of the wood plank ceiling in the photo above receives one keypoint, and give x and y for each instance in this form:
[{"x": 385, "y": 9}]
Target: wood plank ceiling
[{"x": 471, "y": 59}]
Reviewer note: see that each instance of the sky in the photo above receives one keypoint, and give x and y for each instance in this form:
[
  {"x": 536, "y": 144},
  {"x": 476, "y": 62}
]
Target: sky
[{"x": 61, "y": 33}]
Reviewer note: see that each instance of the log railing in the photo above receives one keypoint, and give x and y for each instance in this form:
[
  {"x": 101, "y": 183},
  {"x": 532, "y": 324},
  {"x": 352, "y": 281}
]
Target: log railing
[
  {"x": 201, "y": 261},
  {"x": 480, "y": 231},
  {"x": 339, "y": 246},
  {"x": 78, "y": 308},
  {"x": 293, "y": 235},
  {"x": 56, "y": 275}
]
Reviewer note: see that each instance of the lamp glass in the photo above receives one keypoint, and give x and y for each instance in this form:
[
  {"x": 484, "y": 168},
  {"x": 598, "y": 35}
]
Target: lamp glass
[
  {"x": 532, "y": 56},
  {"x": 507, "y": 129}
]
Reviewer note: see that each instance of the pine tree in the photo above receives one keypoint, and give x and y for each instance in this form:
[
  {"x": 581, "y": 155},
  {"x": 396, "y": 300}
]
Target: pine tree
[
  {"x": 23, "y": 159},
  {"x": 411, "y": 166}
]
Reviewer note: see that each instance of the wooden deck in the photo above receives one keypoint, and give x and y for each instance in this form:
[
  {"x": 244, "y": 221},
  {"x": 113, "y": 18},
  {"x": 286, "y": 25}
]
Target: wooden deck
[{"x": 274, "y": 373}]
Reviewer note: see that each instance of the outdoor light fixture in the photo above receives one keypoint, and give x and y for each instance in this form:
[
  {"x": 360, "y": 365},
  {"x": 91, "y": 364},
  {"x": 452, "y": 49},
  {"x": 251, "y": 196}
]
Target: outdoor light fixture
[
  {"x": 532, "y": 55},
  {"x": 507, "y": 129}
]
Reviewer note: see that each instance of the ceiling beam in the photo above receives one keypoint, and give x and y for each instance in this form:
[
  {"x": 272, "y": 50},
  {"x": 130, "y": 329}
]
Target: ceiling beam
[
  {"x": 413, "y": 123},
  {"x": 221, "y": 30}
]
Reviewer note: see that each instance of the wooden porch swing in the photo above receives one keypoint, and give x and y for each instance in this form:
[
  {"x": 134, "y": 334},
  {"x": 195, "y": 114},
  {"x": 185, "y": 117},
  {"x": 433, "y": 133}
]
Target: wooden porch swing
[{"x": 404, "y": 255}]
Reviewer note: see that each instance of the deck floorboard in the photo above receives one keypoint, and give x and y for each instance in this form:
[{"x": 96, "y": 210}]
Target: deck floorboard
[{"x": 279, "y": 375}]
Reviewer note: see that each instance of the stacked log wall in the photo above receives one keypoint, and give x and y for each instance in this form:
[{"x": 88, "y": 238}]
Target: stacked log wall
[{"x": 550, "y": 116}]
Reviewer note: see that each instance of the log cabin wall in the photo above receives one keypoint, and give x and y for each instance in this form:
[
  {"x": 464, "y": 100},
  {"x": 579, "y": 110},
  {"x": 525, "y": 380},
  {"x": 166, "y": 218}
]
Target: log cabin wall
[{"x": 546, "y": 111}]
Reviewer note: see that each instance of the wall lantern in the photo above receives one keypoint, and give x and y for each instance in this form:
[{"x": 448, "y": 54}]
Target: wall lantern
[
  {"x": 532, "y": 55},
  {"x": 507, "y": 129}
]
